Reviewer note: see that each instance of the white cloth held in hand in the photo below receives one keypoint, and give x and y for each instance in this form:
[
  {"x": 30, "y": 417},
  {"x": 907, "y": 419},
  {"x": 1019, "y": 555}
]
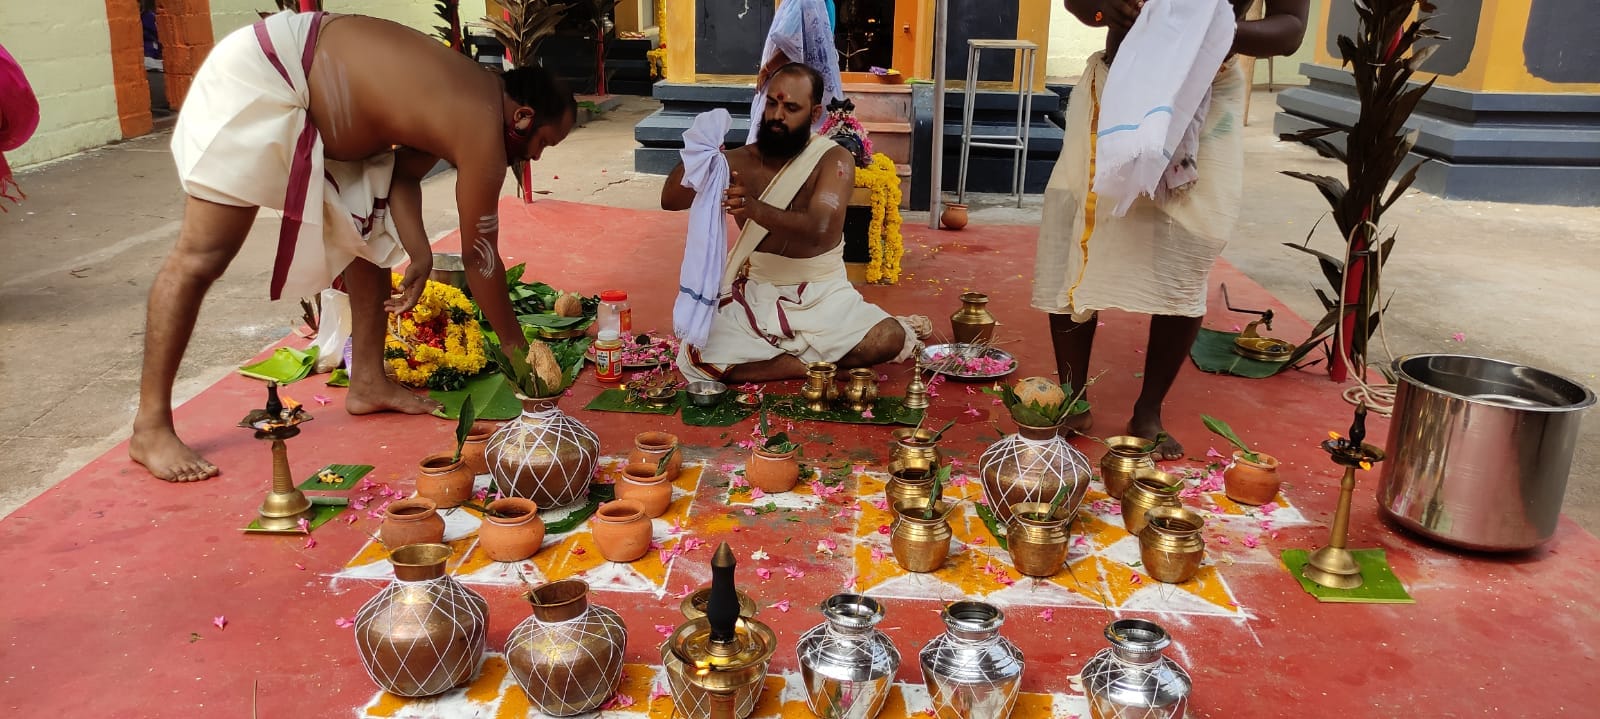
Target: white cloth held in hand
[
  {"x": 1157, "y": 85},
  {"x": 801, "y": 32},
  {"x": 705, "y": 250}
]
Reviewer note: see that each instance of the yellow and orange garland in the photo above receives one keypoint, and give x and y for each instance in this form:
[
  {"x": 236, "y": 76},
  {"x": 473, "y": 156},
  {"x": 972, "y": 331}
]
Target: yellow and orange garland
[
  {"x": 883, "y": 236},
  {"x": 658, "y": 56},
  {"x": 438, "y": 343}
]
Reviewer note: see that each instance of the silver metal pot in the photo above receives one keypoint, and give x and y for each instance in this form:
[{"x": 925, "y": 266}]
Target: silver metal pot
[
  {"x": 1480, "y": 450},
  {"x": 449, "y": 269}
]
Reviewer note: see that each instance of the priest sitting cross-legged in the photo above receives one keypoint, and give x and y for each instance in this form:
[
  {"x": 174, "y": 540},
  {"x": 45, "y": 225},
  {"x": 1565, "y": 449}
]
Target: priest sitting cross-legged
[{"x": 781, "y": 299}]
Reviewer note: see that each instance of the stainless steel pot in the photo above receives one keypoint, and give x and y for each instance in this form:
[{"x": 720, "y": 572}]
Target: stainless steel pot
[
  {"x": 449, "y": 268},
  {"x": 1479, "y": 450}
]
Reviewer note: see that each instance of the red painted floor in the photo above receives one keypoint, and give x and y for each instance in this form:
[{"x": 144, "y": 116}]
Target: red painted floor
[{"x": 114, "y": 579}]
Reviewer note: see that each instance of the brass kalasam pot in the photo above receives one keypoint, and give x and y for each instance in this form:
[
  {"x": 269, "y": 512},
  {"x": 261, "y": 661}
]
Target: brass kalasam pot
[
  {"x": 861, "y": 392},
  {"x": 424, "y": 634},
  {"x": 819, "y": 390},
  {"x": 920, "y": 544},
  {"x": 1031, "y": 466},
  {"x": 544, "y": 455},
  {"x": 1150, "y": 489},
  {"x": 909, "y": 485},
  {"x": 1170, "y": 547},
  {"x": 973, "y": 323},
  {"x": 568, "y": 655},
  {"x": 1124, "y": 457},
  {"x": 1038, "y": 543},
  {"x": 915, "y": 448}
]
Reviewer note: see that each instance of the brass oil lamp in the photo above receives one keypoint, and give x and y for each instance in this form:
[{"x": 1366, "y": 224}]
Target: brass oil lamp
[
  {"x": 284, "y": 505},
  {"x": 1333, "y": 566},
  {"x": 721, "y": 658}
]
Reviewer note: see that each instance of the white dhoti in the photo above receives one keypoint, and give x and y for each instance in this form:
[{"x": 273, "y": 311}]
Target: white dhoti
[
  {"x": 1157, "y": 258},
  {"x": 244, "y": 137},
  {"x": 806, "y": 308}
]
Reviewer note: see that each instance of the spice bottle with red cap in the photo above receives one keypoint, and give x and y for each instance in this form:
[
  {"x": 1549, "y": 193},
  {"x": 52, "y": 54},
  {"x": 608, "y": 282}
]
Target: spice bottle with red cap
[{"x": 614, "y": 313}]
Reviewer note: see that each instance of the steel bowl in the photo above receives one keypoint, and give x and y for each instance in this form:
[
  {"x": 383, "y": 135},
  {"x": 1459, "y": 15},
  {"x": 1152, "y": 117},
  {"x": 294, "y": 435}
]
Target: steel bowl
[
  {"x": 449, "y": 269},
  {"x": 706, "y": 394}
]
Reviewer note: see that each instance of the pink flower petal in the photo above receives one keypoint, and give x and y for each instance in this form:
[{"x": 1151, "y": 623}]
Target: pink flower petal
[
  {"x": 343, "y": 623},
  {"x": 1459, "y": 337},
  {"x": 1212, "y": 453},
  {"x": 618, "y": 700},
  {"x": 579, "y": 551},
  {"x": 311, "y": 543},
  {"x": 763, "y": 572},
  {"x": 665, "y": 629},
  {"x": 793, "y": 572},
  {"x": 883, "y": 529},
  {"x": 1252, "y": 541},
  {"x": 1047, "y": 614},
  {"x": 849, "y": 582},
  {"x": 973, "y": 411},
  {"x": 749, "y": 512},
  {"x": 304, "y": 524},
  {"x": 881, "y": 504},
  {"x": 321, "y": 399},
  {"x": 1134, "y": 578},
  {"x": 220, "y": 621},
  {"x": 300, "y": 566},
  {"x": 756, "y": 493},
  {"x": 657, "y": 691},
  {"x": 877, "y": 554},
  {"x": 782, "y": 606},
  {"x": 961, "y": 480},
  {"x": 866, "y": 414},
  {"x": 1269, "y": 508}
]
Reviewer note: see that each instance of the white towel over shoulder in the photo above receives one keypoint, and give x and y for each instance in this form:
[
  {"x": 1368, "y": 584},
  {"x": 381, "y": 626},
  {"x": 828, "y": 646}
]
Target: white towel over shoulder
[
  {"x": 1157, "y": 85},
  {"x": 705, "y": 250}
]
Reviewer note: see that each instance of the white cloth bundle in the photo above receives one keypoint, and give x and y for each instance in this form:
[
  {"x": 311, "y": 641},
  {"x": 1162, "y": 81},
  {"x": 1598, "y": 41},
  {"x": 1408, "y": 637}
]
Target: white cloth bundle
[
  {"x": 801, "y": 32},
  {"x": 1155, "y": 99},
  {"x": 705, "y": 250}
]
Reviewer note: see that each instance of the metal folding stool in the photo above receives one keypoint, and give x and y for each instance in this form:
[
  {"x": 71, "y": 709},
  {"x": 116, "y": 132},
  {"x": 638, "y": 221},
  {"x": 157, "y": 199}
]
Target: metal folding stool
[{"x": 1016, "y": 142}]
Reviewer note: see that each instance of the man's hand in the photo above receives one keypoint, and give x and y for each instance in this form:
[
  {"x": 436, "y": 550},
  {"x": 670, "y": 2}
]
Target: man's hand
[
  {"x": 411, "y": 286},
  {"x": 737, "y": 201}
]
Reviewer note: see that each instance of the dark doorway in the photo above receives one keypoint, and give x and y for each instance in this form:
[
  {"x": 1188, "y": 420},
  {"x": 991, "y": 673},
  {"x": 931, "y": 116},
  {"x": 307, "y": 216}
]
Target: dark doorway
[{"x": 864, "y": 34}]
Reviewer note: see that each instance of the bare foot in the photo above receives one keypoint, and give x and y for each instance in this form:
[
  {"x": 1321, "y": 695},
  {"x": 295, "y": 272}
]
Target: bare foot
[
  {"x": 1149, "y": 427},
  {"x": 1079, "y": 423},
  {"x": 167, "y": 457},
  {"x": 386, "y": 396}
]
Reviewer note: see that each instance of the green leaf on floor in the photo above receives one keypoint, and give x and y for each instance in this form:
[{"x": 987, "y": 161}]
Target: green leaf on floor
[
  {"x": 887, "y": 410},
  {"x": 725, "y": 413},
  {"x": 286, "y": 365},
  {"x": 1213, "y": 352},
  {"x": 351, "y": 473},
  {"x": 492, "y": 395},
  {"x": 339, "y": 378},
  {"x": 619, "y": 400},
  {"x": 598, "y": 494}
]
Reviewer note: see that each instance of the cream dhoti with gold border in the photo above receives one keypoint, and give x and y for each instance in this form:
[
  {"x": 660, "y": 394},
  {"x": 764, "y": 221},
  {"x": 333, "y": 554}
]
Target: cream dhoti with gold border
[
  {"x": 245, "y": 138},
  {"x": 1157, "y": 258},
  {"x": 773, "y": 305}
]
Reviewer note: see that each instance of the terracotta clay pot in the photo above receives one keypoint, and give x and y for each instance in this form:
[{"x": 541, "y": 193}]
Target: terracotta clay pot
[
  {"x": 622, "y": 530},
  {"x": 954, "y": 216},
  {"x": 411, "y": 521},
  {"x": 472, "y": 449},
  {"x": 641, "y": 483},
  {"x": 513, "y": 538},
  {"x": 1249, "y": 482},
  {"x": 648, "y": 448},
  {"x": 448, "y": 483},
  {"x": 773, "y": 471}
]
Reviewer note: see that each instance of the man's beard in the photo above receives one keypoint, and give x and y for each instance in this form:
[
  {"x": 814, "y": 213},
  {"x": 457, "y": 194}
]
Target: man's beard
[{"x": 774, "y": 139}]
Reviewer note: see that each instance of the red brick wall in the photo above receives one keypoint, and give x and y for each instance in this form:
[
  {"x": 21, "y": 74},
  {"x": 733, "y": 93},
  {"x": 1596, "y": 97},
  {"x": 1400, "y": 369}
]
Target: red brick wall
[
  {"x": 185, "y": 29},
  {"x": 127, "y": 67}
]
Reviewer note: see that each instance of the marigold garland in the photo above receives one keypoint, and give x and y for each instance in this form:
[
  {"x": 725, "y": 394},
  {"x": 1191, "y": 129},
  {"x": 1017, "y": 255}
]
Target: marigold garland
[
  {"x": 883, "y": 235},
  {"x": 658, "y": 56},
  {"x": 438, "y": 343}
]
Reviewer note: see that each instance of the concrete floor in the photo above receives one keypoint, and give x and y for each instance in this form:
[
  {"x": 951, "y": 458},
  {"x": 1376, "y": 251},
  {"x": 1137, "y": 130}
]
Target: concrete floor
[{"x": 1514, "y": 280}]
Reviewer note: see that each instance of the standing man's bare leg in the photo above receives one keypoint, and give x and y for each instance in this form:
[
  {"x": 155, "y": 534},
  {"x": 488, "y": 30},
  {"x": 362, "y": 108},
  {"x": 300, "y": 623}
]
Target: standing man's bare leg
[
  {"x": 1171, "y": 337},
  {"x": 370, "y": 389},
  {"x": 210, "y": 237},
  {"x": 1074, "y": 342}
]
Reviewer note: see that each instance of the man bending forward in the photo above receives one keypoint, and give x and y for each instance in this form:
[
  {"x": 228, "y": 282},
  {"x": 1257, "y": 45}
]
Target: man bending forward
[
  {"x": 788, "y": 301},
  {"x": 334, "y": 120}
]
